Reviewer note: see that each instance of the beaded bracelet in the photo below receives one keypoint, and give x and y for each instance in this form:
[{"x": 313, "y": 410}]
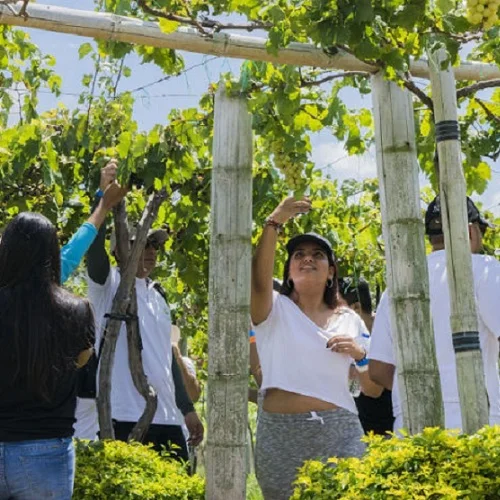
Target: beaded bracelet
[
  {"x": 274, "y": 224},
  {"x": 251, "y": 337}
]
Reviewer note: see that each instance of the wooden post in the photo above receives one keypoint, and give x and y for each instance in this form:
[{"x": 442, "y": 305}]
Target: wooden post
[
  {"x": 407, "y": 274},
  {"x": 229, "y": 299},
  {"x": 470, "y": 372}
]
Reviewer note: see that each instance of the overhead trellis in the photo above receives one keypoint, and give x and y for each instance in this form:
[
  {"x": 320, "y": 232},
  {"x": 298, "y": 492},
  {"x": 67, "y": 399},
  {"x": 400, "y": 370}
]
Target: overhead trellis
[{"x": 105, "y": 26}]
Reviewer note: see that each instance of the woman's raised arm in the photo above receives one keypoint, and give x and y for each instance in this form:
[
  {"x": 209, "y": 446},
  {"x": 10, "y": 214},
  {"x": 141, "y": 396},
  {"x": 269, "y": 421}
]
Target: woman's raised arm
[{"x": 263, "y": 259}]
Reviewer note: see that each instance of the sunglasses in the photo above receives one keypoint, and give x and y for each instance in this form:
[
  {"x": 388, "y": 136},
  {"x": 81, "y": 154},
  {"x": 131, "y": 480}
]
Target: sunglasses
[{"x": 153, "y": 243}]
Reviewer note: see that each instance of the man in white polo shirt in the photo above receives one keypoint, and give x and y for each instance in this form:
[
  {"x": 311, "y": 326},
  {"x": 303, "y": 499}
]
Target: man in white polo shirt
[
  {"x": 486, "y": 272},
  {"x": 153, "y": 316}
]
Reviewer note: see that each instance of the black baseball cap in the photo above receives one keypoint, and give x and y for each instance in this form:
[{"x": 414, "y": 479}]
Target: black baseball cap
[
  {"x": 433, "y": 220},
  {"x": 294, "y": 242}
]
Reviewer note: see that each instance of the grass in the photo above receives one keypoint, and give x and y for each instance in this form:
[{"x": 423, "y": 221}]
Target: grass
[{"x": 253, "y": 490}]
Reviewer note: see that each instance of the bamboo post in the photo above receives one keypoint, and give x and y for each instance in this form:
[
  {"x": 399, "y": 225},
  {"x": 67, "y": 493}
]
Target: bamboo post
[
  {"x": 106, "y": 26},
  {"x": 407, "y": 274},
  {"x": 229, "y": 298},
  {"x": 463, "y": 319}
]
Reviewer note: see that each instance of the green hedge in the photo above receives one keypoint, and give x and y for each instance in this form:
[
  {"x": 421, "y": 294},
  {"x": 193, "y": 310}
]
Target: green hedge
[
  {"x": 111, "y": 470},
  {"x": 433, "y": 465}
]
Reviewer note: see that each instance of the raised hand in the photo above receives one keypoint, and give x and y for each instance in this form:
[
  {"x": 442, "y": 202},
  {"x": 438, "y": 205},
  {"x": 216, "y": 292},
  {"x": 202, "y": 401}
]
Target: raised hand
[
  {"x": 108, "y": 174},
  {"x": 113, "y": 194},
  {"x": 290, "y": 207}
]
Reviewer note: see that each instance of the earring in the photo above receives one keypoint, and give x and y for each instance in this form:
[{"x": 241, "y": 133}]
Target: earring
[
  {"x": 289, "y": 283},
  {"x": 329, "y": 283}
]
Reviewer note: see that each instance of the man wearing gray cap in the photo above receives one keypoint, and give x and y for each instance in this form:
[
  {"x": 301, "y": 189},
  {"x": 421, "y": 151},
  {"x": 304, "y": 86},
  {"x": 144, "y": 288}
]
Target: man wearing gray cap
[
  {"x": 486, "y": 273},
  {"x": 160, "y": 367}
]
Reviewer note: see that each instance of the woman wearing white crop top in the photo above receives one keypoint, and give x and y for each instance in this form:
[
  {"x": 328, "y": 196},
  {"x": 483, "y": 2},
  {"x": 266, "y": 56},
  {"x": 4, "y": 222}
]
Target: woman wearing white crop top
[{"x": 307, "y": 340}]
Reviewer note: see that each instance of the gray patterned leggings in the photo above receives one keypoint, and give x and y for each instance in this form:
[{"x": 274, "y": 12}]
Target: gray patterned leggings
[{"x": 286, "y": 441}]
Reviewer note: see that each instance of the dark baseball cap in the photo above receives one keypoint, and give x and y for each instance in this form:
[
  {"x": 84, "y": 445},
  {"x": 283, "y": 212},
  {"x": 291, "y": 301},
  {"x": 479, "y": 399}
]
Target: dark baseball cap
[
  {"x": 294, "y": 242},
  {"x": 433, "y": 220},
  {"x": 156, "y": 237}
]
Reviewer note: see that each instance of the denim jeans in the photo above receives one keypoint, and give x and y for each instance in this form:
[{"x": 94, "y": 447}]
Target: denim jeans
[{"x": 33, "y": 470}]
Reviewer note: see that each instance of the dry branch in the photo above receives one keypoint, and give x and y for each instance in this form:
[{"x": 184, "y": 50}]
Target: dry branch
[
  {"x": 489, "y": 113},
  {"x": 201, "y": 24},
  {"x": 410, "y": 85},
  {"x": 329, "y": 78},
  {"x": 471, "y": 89},
  {"x": 121, "y": 309}
]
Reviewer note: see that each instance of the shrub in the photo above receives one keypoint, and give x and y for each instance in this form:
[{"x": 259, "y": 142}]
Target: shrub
[
  {"x": 110, "y": 470},
  {"x": 436, "y": 464}
]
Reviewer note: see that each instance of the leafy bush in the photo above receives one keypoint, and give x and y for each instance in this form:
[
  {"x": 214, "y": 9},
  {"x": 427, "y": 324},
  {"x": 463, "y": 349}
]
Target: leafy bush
[
  {"x": 110, "y": 470},
  {"x": 436, "y": 464}
]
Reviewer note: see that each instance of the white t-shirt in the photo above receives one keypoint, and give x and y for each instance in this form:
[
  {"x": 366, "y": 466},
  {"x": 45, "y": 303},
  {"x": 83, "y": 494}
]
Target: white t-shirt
[
  {"x": 154, "y": 323},
  {"x": 486, "y": 272},
  {"x": 189, "y": 364},
  {"x": 294, "y": 357}
]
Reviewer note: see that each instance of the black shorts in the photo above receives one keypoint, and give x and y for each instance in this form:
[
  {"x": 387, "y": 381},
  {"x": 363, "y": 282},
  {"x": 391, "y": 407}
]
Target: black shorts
[{"x": 375, "y": 414}]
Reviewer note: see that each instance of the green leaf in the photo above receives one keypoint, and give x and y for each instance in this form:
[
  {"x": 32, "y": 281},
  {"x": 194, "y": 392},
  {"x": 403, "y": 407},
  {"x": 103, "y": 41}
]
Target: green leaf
[
  {"x": 445, "y": 6},
  {"x": 364, "y": 11},
  {"x": 124, "y": 142},
  {"x": 168, "y": 26},
  {"x": 85, "y": 49}
]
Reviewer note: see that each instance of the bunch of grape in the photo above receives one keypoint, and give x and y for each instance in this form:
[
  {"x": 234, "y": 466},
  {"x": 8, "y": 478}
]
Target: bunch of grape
[
  {"x": 483, "y": 11},
  {"x": 292, "y": 171},
  {"x": 288, "y": 166}
]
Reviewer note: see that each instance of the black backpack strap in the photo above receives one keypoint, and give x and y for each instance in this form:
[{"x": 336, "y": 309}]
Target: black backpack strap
[{"x": 160, "y": 290}]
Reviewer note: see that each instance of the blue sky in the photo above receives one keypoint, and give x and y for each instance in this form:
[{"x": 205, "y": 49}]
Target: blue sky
[{"x": 154, "y": 103}]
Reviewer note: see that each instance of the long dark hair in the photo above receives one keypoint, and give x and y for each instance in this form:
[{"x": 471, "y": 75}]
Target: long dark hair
[
  {"x": 331, "y": 295},
  {"x": 38, "y": 319}
]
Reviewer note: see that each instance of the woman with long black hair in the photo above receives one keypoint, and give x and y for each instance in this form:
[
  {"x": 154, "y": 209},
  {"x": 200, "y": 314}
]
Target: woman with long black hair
[
  {"x": 45, "y": 335},
  {"x": 307, "y": 340}
]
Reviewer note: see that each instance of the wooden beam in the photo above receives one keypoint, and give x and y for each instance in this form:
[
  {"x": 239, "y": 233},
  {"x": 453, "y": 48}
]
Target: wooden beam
[{"x": 105, "y": 26}]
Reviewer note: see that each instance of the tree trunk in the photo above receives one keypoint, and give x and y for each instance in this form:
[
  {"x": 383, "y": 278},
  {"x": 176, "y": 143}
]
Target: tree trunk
[
  {"x": 470, "y": 372},
  {"x": 229, "y": 299},
  {"x": 407, "y": 275},
  {"x": 134, "y": 340},
  {"x": 148, "y": 392},
  {"x": 121, "y": 303}
]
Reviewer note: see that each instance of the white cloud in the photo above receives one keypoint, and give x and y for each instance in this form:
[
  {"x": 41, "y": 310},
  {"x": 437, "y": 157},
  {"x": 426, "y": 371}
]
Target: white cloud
[{"x": 333, "y": 160}]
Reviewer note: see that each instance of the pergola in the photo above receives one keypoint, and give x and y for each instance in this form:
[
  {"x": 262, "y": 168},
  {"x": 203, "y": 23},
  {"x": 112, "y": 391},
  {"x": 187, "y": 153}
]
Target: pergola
[{"x": 231, "y": 224}]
